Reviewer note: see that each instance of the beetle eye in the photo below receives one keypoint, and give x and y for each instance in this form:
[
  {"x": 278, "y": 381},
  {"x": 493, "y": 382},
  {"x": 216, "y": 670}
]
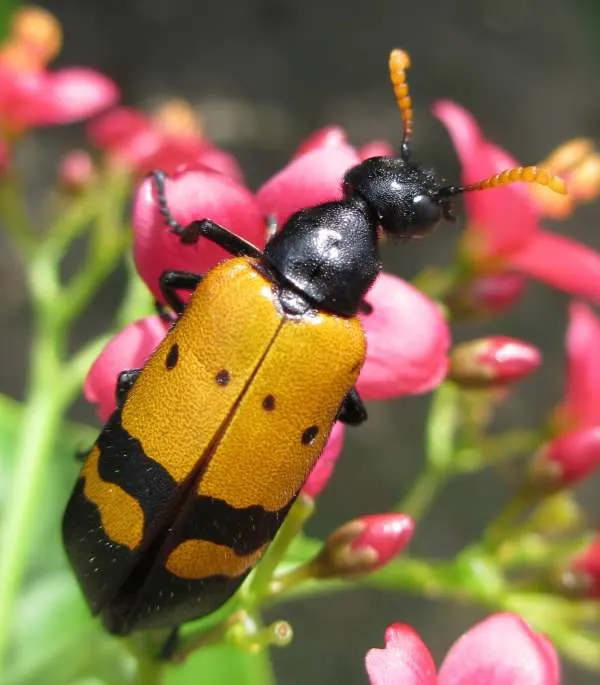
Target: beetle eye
[{"x": 427, "y": 214}]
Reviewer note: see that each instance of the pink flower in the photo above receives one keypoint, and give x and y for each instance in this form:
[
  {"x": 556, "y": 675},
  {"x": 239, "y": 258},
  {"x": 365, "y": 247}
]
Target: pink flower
[
  {"x": 486, "y": 295},
  {"x": 501, "y": 650},
  {"x": 323, "y": 469},
  {"x": 192, "y": 194},
  {"x": 575, "y": 451},
  {"x": 407, "y": 341},
  {"x": 129, "y": 349},
  {"x": 169, "y": 140},
  {"x": 30, "y": 94},
  {"x": 504, "y": 230},
  {"x": 363, "y": 545}
]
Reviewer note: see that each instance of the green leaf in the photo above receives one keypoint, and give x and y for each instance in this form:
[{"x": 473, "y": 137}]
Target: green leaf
[{"x": 223, "y": 665}]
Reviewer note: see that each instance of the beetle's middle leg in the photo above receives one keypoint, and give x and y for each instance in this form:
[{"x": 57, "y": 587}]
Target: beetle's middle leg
[{"x": 353, "y": 411}]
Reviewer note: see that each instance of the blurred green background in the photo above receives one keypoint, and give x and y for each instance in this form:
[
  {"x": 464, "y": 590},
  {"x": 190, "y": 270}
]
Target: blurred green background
[{"x": 264, "y": 74}]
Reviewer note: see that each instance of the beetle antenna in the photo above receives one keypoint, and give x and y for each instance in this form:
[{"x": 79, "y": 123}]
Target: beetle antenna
[
  {"x": 399, "y": 64},
  {"x": 161, "y": 196},
  {"x": 527, "y": 174}
]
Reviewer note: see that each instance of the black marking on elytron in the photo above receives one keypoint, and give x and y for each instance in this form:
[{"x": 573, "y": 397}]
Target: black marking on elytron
[
  {"x": 214, "y": 520},
  {"x": 223, "y": 377},
  {"x": 166, "y": 600},
  {"x": 124, "y": 463},
  {"x": 100, "y": 564},
  {"x": 172, "y": 356},
  {"x": 309, "y": 435},
  {"x": 268, "y": 403}
]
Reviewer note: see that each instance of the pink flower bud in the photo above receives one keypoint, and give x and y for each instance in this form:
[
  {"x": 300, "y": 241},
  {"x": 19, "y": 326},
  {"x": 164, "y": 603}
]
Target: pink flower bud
[
  {"x": 487, "y": 295},
  {"x": 567, "y": 460},
  {"x": 584, "y": 571},
  {"x": 76, "y": 170},
  {"x": 493, "y": 361},
  {"x": 363, "y": 545}
]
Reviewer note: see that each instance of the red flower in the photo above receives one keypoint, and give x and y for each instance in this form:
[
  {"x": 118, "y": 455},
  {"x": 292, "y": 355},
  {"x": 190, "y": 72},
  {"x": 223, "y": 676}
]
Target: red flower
[
  {"x": 407, "y": 336},
  {"x": 501, "y": 650},
  {"x": 76, "y": 170},
  {"x": 169, "y": 140},
  {"x": 30, "y": 94},
  {"x": 575, "y": 453},
  {"x": 504, "y": 232}
]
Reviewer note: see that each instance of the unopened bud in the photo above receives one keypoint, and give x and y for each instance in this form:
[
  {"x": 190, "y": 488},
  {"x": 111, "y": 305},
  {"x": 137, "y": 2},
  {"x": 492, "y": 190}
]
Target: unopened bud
[
  {"x": 76, "y": 170},
  {"x": 582, "y": 577},
  {"x": 566, "y": 460},
  {"x": 176, "y": 117},
  {"x": 485, "y": 296},
  {"x": 363, "y": 545},
  {"x": 494, "y": 361},
  {"x": 36, "y": 32}
]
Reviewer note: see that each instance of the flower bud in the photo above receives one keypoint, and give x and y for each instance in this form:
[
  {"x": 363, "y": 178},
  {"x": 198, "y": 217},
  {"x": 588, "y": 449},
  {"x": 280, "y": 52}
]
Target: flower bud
[
  {"x": 485, "y": 296},
  {"x": 566, "y": 460},
  {"x": 363, "y": 545},
  {"x": 583, "y": 575},
  {"x": 37, "y": 33},
  {"x": 76, "y": 170},
  {"x": 489, "y": 362}
]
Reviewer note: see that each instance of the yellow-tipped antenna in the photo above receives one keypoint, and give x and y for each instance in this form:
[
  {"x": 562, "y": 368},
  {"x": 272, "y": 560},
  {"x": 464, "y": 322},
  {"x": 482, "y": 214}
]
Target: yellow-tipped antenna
[
  {"x": 399, "y": 64},
  {"x": 526, "y": 174}
]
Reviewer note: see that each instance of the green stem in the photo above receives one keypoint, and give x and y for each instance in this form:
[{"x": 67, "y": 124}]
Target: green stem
[
  {"x": 259, "y": 585},
  {"x": 422, "y": 493},
  {"x": 15, "y": 220},
  {"x": 41, "y": 419}
]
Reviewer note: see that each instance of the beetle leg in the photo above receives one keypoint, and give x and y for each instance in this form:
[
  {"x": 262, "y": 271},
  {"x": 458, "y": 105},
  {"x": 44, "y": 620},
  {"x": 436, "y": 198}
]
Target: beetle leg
[
  {"x": 172, "y": 281},
  {"x": 352, "y": 411},
  {"x": 164, "y": 313},
  {"x": 169, "y": 646},
  {"x": 202, "y": 228},
  {"x": 125, "y": 381},
  {"x": 365, "y": 308}
]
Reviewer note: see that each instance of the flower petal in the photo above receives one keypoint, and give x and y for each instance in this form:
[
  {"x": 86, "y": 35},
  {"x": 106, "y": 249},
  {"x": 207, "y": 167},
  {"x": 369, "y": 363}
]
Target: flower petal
[
  {"x": 129, "y": 349},
  {"x": 404, "y": 661},
  {"x": 71, "y": 94},
  {"x": 407, "y": 341},
  {"x": 115, "y": 128},
  {"x": 376, "y": 148},
  {"x": 323, "y": 469},
  {"x": 329, "y": 136},
  {"x": 562, "y": 263},
  {"x": 568, "y": 459},
  {"x": 191, "y": 195},
  {"x": 504, "y": 218},
  {"x": 501, "y": 650},
  {"x": 582, "y": 397},
  {"x": 309, "y": 180}
]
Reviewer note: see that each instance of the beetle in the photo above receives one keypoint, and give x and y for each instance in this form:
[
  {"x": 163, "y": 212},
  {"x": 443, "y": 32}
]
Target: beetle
[{"x": 213, "y": 438}]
